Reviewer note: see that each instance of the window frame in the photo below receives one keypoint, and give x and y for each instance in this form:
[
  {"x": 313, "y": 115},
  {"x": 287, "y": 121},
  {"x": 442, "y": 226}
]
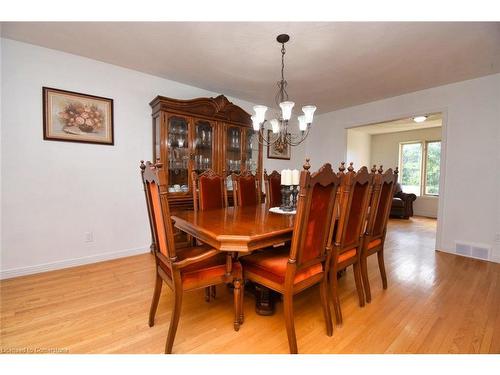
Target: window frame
[
  {"x": 401, "y": 144},
  {"x": 423, "y": 163}
]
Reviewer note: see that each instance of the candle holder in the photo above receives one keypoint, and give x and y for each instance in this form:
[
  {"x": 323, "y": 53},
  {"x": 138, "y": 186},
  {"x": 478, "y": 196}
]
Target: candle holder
[
  {"x": 295, "y": 192},
  {"x": 286, "y": 201},
  {"x": 283, "y": 197}
]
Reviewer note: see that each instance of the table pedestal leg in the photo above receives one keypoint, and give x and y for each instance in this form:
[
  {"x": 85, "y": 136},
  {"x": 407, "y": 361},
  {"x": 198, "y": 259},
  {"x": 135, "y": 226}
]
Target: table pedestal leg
[{"x": 264, "y": 300}]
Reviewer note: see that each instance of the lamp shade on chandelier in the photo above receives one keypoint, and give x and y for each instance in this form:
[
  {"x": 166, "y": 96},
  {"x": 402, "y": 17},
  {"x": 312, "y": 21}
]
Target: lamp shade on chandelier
[{"x": 281, "y": 136}]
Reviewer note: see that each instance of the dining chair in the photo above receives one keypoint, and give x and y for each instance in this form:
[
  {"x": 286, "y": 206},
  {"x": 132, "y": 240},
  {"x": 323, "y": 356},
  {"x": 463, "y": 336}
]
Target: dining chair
[
  {"x": 348, "y": 231},
  {"x": 246, "y": 189},
  {"x": 272, "y": 186},
  {"x": 291, "y": 269},
  {"x": 143, "y": 168},
  {"x": 209, "y": 192},
  {"x": 380, "y": 206},
  {"x": 187, "y": 269}
]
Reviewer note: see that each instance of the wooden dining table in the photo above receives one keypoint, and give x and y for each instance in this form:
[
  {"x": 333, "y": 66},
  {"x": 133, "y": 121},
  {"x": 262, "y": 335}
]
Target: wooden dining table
[{"x": 239, "y": 230}]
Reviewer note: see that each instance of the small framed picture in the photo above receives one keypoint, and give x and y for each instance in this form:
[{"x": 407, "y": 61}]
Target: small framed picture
[
  {"x": 275, "y": 152},
  {"x": 75, "y": 117}
]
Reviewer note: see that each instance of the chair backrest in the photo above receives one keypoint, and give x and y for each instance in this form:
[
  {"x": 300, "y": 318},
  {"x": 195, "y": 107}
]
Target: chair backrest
[
  {"x": 384, "y": 184},
  {"x": 246, "y": 189},
  {"x": 314, "y": 218},
  {"x": 272, "y": 184},
  {"x": 355, "y": 193},
  {"x": 159, "y": 212},
  {"x": 209, "y": 191},
  {"x": 143, "y": 168}
]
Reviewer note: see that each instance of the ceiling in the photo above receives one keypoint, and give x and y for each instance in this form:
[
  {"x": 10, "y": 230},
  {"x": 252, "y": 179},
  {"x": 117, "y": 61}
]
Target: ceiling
[
  {"x": 330, "y": 64},
  {"x": 434, "y": 120}
]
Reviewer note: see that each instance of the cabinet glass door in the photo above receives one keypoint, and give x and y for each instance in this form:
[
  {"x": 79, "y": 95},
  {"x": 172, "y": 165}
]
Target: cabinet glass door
[
  {"x": 156, "y": 139},
  {"x": 203, "y": 146},
  {"x": 233, "y": 153},
  {"x": 251, "y": 151},
  {"x": 178, "y": 155},
  {"x": 233, "y": 150}
]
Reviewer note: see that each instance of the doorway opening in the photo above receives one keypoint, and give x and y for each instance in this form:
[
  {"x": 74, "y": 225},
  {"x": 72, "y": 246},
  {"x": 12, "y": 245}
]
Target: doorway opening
[{"x": 414, "y": 145}]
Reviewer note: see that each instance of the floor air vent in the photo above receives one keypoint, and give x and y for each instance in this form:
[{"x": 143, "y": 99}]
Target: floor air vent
[
  {"x": 480, "y": 252},
  {"x": 463, "y": 249},
  {"x": 473, "y": 250}
]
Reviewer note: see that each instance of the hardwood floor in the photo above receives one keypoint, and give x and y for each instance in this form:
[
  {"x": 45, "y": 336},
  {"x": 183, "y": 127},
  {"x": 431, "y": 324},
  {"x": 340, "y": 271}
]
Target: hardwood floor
[{"x": 436, "y": 303}]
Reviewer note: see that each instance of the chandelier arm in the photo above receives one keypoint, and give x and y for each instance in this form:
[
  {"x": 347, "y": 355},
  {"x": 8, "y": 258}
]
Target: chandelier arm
[
  {"x": 262, "y": 140},
  {"x": 302, "y": 138},
  {"x": 301, "y": 135}
]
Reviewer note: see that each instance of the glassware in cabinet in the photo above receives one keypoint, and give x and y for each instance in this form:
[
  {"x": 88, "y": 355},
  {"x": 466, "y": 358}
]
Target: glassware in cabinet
[
  {"x": 178, "y": 154},
  {"x": 203, "y": 146},
  {"x": 251, "y": 151}
]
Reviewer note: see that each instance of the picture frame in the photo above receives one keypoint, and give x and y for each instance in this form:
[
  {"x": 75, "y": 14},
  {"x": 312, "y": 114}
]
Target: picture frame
[
  {"x": 70, "y": 116},
  {"x": 273, "y": 153}
]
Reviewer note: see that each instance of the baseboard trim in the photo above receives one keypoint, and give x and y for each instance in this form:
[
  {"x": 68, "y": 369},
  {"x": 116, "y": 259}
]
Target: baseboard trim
[
  {"x": 491, "y": 260},
  {"x": 45, "y": 267},
  {"x": 423, "y": 213}
]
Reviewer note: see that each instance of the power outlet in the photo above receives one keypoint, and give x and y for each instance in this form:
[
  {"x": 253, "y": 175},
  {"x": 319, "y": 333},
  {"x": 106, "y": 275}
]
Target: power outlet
[
  {"x": 89, "y": 237},
  {"x": 497, "y": 237}
]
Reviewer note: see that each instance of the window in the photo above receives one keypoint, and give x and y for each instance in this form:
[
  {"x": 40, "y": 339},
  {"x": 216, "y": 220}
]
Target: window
[
  {"x": 432, "y": 159},
  {"x": 411, "y": 167},
  {"x": 419, "y": 165}
]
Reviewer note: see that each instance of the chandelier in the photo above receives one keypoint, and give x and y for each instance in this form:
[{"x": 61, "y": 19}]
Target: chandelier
[{"x": 280, "y": 136}]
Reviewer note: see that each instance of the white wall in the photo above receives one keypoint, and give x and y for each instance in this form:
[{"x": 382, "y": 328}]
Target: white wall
[
  {"x": 358, "y": 148},
  {"x": 1, "y": 169},
  {"x": 469, "y": 208},
  {"x": 54, "y": 192},
  {"x": 385, "y": 151}
]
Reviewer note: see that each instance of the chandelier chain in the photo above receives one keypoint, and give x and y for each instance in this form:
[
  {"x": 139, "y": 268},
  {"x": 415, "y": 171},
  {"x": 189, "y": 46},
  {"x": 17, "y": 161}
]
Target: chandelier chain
[
  {"x": 282, "y": 94},
  {"x": 283, "y": 51}
]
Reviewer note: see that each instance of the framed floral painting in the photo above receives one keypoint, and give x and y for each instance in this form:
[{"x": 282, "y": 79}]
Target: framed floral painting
[
  {"x": 74, "y": 117},
  {"x": 275, "y": 152}
]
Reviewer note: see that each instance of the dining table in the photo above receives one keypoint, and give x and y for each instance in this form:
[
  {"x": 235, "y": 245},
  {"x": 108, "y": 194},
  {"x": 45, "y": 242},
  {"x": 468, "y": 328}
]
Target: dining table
[{"x": 240, "y": 231}]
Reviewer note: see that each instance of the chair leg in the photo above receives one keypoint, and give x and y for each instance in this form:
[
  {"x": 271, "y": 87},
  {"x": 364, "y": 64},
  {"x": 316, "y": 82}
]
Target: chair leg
[
  {"x": 364, "y": 274},
  {"x": 381, "y": 266},
  {"x": 207, "y": 294},
  {"x": 323, "y": 290},
  {"x": 174, "y": 321},
  {"x": 290, "y": 327},
  {"x": 335, "y": 297},
  {"x": 242, "y": 297},
  {"x": 359, "y": 284},
  {"x": 156, "y": 299},
  {"x": 237, "y": 303}
]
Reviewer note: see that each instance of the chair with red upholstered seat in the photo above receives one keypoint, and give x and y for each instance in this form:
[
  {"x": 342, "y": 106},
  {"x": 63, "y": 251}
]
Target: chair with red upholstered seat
[
  {"x": 347, "y": 236},
  {"x": 209, "y": 192},
  {"x": 374, "y": 238},
  {"x": 246, "y": 189},
  {"x": 272, "y": 184},
  {"x": 187, "y": 269},
  {"x": 292, "y": 269}
]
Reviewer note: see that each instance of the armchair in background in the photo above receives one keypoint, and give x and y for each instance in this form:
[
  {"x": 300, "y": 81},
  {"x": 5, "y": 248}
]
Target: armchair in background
[{"x": 402, "y": 203}]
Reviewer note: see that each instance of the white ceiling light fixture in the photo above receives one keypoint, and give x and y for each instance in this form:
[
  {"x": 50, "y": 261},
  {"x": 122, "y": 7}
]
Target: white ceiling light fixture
[
  {"x": 419, "y": 118},
  {"x": 281, "y": 136}
]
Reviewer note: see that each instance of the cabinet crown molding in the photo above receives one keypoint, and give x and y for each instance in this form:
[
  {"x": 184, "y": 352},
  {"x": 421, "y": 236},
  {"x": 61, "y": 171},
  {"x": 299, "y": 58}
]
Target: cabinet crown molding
[{"x": 219, "y": 108}]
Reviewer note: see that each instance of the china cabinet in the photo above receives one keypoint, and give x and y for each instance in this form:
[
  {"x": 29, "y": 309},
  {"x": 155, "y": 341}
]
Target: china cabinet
[{"x": 200, "y": 134}]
